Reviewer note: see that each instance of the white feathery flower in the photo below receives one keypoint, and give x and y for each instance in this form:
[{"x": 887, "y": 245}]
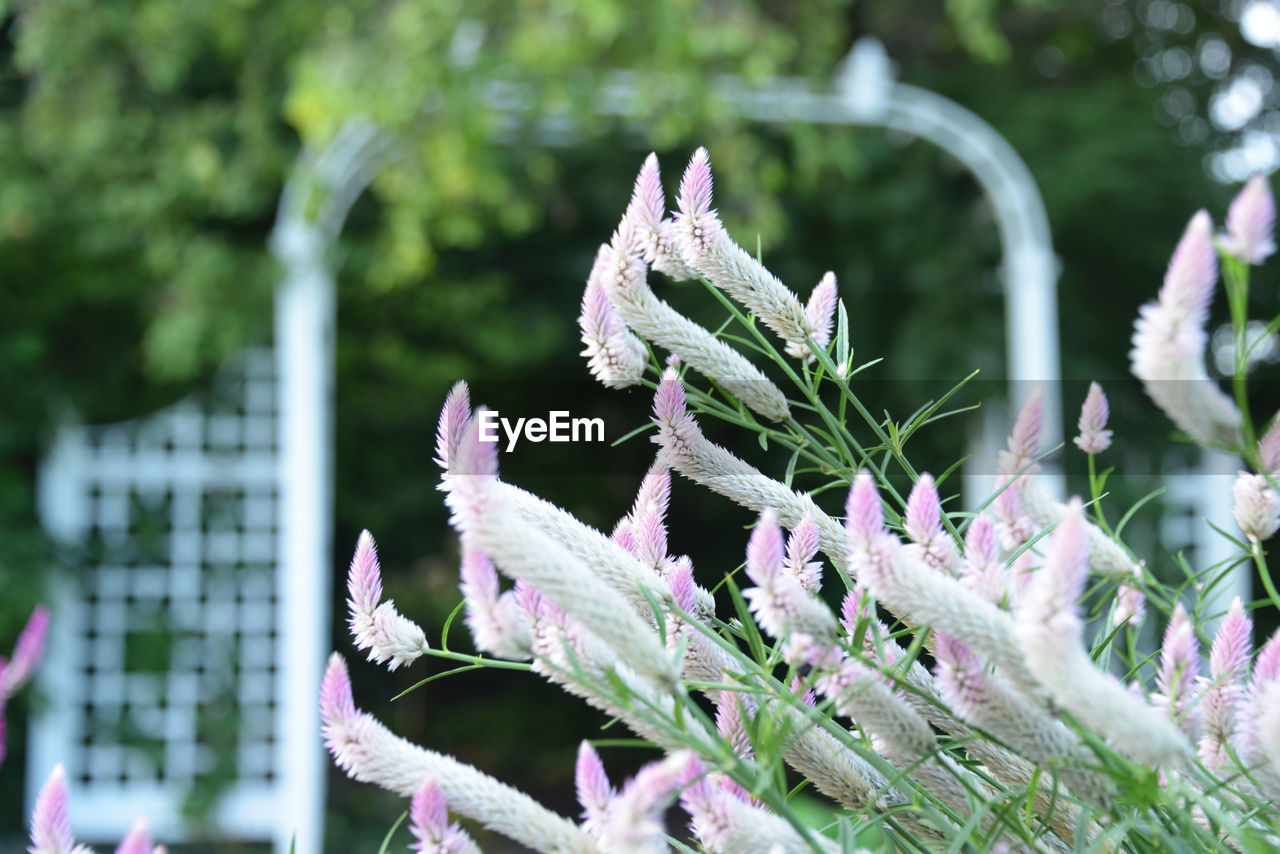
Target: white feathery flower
[
  {"x": 615, "y": 356},
  {"x": 1267, "y": 725},
  {"x": 1051, "y": 636},
  {"x": 391, "y": 638},
  {"x": 781, "y": 604},
  {"x": 655, "y": 231},
  {"x": 1251, "y": 222},
  {"x": 628, "y": 292},
  {"x": 1169, "y": 342},
  {"x": 726, "y": 825},
  {"x": 496, "y": 621},
  {"x": 901, "y": 581},
  {"x": 1256, "y": 506},
  {"x": 369, "y": 753},
  {"x": 632, "y": 820},
  {"x": 1106, "y": 556},
  {"x": 709, "y": 250},
  {"x": 985, "y": 700},
  {"x": 489, "y": 523}
]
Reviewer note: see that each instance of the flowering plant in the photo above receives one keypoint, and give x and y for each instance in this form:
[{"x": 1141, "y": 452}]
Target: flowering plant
[{"x": 959, "y": 698}]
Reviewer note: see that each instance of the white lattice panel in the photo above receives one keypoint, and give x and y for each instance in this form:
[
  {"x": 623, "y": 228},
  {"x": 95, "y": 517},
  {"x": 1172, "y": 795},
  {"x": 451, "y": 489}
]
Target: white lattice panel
[{"x": 163, "y": 668}]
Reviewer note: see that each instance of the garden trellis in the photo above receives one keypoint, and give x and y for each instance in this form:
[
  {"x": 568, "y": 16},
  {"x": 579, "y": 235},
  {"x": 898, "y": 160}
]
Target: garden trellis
[
  {"x": 240, "y": 497},
  {"x": 204, "y": 532}
]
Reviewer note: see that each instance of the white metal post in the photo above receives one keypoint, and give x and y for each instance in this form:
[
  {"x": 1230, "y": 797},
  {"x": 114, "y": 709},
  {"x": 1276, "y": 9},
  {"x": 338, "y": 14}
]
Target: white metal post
[{"x": 305, "y": 328}]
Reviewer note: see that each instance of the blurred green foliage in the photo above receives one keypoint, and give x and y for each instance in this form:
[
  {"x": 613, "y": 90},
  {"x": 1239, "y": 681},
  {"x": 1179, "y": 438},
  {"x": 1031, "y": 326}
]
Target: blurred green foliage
[{"x": 144, "y": 144}]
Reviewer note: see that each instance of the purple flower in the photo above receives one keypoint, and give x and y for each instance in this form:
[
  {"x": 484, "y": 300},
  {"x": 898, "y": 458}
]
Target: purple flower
[
  {"x": 1169, "y": 341},
  {"x": 27, "y": 652},
  {"x": 453, "y": 422},
  {"x": 429, "y": 823},
  {"x": 697, "y": 223},
  {"x": 377, "y": 626},
  {"x": 1094, "y": 438},
  {"x": 592, "y": 784},
  {"x": 1179, "y": 667},
  {"x": 137, "y": 841},
  {"x": 802, "y": 547},
  {"x": 821, "y": 309},
  {"x": 1251, "y": 222},
  {"x": 984, "y": 573},
  {"x": 923, "y": 524},
  {"x": 615, "y": 356},
  {"x": 1269, "y": 450},
  {"x": 1131, "y": 602},
  {"x": 864, "y": 518},
  {"x": 51, "y": 819},
  {"x": 1256, "y": 506}
]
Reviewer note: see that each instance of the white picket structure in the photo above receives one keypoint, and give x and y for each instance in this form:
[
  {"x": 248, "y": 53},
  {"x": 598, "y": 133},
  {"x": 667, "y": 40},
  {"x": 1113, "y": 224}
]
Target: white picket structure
[{"x": 165, "y": 655}]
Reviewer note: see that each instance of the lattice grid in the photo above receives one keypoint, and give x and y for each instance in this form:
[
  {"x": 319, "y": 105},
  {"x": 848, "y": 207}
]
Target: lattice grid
[{"x": 174, "y": 658}]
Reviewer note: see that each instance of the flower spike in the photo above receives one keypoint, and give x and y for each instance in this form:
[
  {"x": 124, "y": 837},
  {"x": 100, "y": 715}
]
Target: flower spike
[
  {"x": 1094, "y": 438},
  {"x": 1169, "y": 341},
  {"x": 429, "y": 823},
  {"x": 453, "y": 422},
  {"x": 1251, "y": 221},
  {"x": 137, "y": 841},
  {"x": 51, "y": 820}
]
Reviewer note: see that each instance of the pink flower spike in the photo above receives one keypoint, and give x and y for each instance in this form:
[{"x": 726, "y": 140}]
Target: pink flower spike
[
  {"x": 429, "y": 823},
  {"x": 683, "y": 591},
  {"x": 27, "y": 652},
  {"x": 592, "y": 783},
  {"x": 764, "y": 550},
  {"x": 864, "y": 518},
  {"x": 694, "y": 199},
  {"x": 655, "y": 491},
  {"x": 1094, "y": 438},
  {"x": 476, "y": 456},
  {"x": 853, "y": 608},
  {"x": 924, "y": 511},
  {"x": 1266, "y": 667},
  {"x": 1179, "y": 667},
  {"x": 1229, "y": 655},
  {"x": 137, "y": 841},
  {"x": 479, "y": 578},
  {"x": 980, "y": 542},
  {"x": 1269, "y": 449},
  {"x": 1251, "y": 222},
  {"x": 1193, "y": 271},
  {"x": 821, "y": 309},
  {"x": 669, "y": 406},
  {"x": 648, "y": 203},
  {"x": 731, "y": 723},
  {"x": 364, "y": 579},
  {"x": 428, "y": 812},
  {"x": 1255, "y": 506},
  {"x": 336, "y": 704},
  {"x": 529, "y": 600},
  {"x": 1059, "y": 584},
  {"x": 806, "y": 694},
  {"x": 651, "y": 540},
  {"x": 51, "y": 821},
  {"x": 453, "y": 422},
  {"x": 802, "y": 547},
  {"x": 1131, "y": 603},
  {"x": 1024, "y": 438}
]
